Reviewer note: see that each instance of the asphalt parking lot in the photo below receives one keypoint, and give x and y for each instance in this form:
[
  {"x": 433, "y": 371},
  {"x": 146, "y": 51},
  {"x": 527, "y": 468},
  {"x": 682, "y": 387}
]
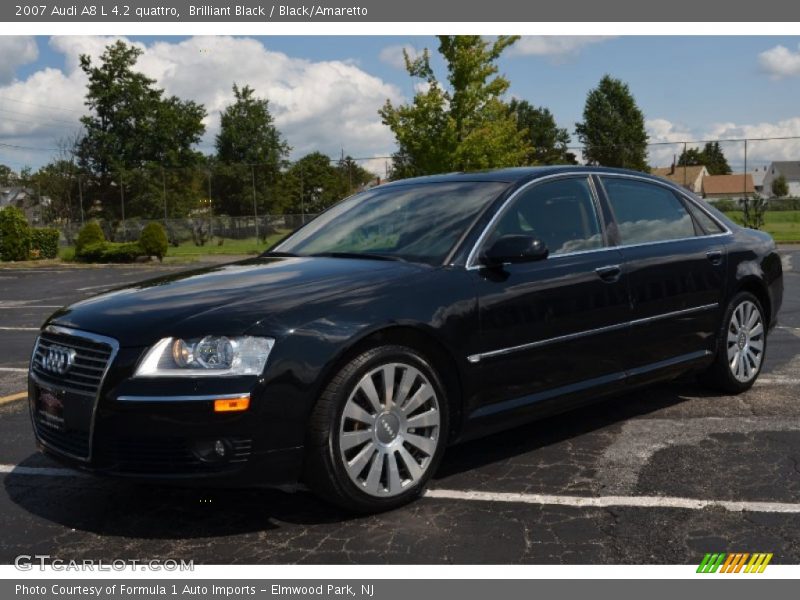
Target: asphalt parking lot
[{"x": 660, "y": 476}]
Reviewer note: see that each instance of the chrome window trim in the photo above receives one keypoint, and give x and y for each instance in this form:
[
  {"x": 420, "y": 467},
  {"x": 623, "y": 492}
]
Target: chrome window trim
[
  {"x": 182, "y": 398},
  {"x": 472, "y": 263},
  {"x": 92, "y": 337},
  {"x": 476, "y": 358}
]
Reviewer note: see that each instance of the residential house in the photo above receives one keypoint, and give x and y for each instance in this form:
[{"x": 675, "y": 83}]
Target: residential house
[
  {"x": 689, "y": 177},
  {"x": 25, "y": 200},
  {"x": 790, "y": 169},
  {"x": 759, "y": 173},
  {"x": 734, "y": 187}
]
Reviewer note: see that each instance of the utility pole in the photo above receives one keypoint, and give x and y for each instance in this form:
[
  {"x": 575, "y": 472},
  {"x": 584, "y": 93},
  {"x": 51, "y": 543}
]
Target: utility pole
[
  {"x": 255, "y": 208},
  {"x": 80, "y": 196},
  {"x": 210, "y": 209},
  {"x": 164, "y": 191},
  {"x": 122, "y": 202}
]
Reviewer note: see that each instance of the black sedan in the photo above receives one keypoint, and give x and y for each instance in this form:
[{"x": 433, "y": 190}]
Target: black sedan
[{"x": 406, "y": 318}]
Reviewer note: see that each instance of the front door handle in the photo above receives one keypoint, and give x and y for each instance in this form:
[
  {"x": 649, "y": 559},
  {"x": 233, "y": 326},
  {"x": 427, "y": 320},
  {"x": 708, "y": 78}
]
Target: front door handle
[
  {"x": 610, "y": 273},
  {"x": 715, "y": 256}
]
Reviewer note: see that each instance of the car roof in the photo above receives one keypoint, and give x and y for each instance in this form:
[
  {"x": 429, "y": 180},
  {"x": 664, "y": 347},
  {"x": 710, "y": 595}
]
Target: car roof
[{"x": 514, "y": 175}]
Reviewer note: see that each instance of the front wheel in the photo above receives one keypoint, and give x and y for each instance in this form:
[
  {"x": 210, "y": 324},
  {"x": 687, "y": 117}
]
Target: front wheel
[
  {"x": 378, "y": 431},
  {"x": 741, "y": 346}
]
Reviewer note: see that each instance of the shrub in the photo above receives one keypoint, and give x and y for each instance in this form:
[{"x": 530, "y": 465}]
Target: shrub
[
  {"x": 111, "y": 252},
  {"x": 725, "y": 204},
  {"x": 153, "y": 240},
  {"x": 90, "y": 234},
  {"x": 125, "y": 252},
  {"x": 44, "y": 242},
  {"x": 15, "y": 235}
]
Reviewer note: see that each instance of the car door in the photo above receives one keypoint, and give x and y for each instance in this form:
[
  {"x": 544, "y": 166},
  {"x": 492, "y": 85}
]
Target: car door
[
  {"x": 554, "y": 326},
  {"x": 676, "y": 273}
]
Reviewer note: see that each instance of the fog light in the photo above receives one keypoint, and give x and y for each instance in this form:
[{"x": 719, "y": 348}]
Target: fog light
[
  {"x": 219, "y": 448},
  {"x": 232, "y": 404}
]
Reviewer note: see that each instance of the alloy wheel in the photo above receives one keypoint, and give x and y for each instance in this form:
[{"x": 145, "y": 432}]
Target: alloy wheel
[
  {"x": 745, "y": 341},
  {"x": 389, "y": 429}
]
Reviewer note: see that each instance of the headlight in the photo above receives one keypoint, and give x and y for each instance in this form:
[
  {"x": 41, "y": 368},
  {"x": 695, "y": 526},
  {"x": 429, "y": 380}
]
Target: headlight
[{"x": 212, "y": 355}]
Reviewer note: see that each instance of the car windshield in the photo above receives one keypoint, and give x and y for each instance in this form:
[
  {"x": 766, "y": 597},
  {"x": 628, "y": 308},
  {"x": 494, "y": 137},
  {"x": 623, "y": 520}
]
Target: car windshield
[{"x": 416, "y": 222}]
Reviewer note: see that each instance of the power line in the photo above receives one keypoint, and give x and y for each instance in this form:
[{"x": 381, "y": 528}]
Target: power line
[
  {"x": 39, "y": 118},
  {"x": 3, "y": 144},
  {"x": 61, "y": 108}
]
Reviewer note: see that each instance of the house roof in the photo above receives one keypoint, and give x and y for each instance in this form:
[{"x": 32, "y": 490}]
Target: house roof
[
  {"x": 728, "y": 184},
  {"x": 680, "y": 175},
  {"x": 790, "y": 169}
]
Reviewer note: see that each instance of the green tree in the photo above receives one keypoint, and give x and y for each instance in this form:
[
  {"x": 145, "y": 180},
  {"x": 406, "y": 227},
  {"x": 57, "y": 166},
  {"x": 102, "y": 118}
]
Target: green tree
[
  {"x": 311, "y": 185},
  {"x": 464, "y": 125},
  {"x": 711, "y": 156},
  {"x": 132, "y": 132},
  {"x": 6, "y": 175},
  {"x": 612, "y": 131},
  {"x": 548, "y": 142},
  {"x": 780, "y": 187},
  {"x": 250, "y": 153}
]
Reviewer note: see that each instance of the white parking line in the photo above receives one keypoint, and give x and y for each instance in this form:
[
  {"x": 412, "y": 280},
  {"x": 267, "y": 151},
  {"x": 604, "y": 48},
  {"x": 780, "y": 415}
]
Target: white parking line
[
  {"x": 19, "y": 329},
  {"x": 13, "y": 369},
  {"x": 614, "y": 501},
  {"x": 41, "y": 471},
  {"x": 2, "y": 307}
]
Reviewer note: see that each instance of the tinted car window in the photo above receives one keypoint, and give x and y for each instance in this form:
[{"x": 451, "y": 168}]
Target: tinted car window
[
  {"x": 418, "y": 222},
  {"x": 708, "y": 225},
  {"x": 647, "y": 212},
  {"x": 560, "y": 213}
]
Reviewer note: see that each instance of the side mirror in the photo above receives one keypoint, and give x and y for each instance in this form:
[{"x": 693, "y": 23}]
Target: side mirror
[{"x": 514, "y": 249}]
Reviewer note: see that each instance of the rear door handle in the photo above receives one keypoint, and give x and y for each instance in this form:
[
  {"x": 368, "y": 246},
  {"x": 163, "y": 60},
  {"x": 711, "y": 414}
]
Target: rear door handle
[
  {"x": 715, "y": 256},
  {"x": 610, "y": 273}
]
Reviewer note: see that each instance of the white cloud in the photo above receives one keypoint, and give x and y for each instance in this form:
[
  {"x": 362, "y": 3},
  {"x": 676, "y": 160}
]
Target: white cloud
[
  {"x": 16, "y": 51},
  {"x": 317, "y": 105},
  {"x": 780, "y": 62},
  {"x": 556, "y": 47},
  {"x": 759, "y": 150},
  {"x": 393, "y": 55}
]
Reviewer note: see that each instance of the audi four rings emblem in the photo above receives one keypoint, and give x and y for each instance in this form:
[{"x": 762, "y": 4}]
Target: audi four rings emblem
[{"x": 58, "y": 359}]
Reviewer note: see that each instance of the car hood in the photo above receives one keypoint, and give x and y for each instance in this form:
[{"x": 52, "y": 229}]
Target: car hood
[{"x": 223, "y": 300}]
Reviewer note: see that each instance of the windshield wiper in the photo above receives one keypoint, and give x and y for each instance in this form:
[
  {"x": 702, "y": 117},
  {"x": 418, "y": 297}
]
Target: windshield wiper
[
  {"x": 363, "y": 255},
  {"x": 278, "y": 254}
]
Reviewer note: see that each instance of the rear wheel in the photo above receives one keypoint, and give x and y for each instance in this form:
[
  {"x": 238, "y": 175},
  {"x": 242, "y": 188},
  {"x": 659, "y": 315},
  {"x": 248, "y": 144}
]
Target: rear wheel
[
  {"x": 741, "y": 346},
  {"x": 376, "y": 434}
]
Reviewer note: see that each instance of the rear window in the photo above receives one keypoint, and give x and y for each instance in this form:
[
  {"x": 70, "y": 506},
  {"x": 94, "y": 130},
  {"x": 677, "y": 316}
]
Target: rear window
[{"x": 647, "y": 212}]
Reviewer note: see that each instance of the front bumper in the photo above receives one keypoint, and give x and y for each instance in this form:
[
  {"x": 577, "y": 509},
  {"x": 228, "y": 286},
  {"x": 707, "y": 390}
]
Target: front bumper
[{"x": 171, "y": 440}]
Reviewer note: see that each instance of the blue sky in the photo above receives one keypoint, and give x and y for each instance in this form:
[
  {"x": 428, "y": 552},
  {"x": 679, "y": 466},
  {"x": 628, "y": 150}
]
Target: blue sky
[{"x": 688, "y": 87}]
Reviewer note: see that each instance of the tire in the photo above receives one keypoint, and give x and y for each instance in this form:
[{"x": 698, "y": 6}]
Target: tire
[
  {"x": 741, "y": 346},
  {"x": 366, "y": 453}
]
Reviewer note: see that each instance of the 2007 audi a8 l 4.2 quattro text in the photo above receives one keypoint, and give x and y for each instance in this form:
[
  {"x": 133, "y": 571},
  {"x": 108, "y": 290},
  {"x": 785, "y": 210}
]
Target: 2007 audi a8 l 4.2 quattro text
[{"x": 404, "y": 319}]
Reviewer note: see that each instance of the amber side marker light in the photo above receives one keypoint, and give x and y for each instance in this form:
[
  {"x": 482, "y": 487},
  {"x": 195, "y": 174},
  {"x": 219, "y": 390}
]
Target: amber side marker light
[{"x": 232, "y": 404}]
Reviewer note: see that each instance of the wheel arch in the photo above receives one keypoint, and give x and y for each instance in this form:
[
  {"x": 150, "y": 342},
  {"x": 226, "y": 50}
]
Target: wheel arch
[
  {"x": 756, "y": 286},
  {"x": 421, "y": 340}
]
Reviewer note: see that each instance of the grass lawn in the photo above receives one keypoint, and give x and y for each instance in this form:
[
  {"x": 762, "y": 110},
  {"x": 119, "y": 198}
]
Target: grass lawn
[
  {"x": 783, "y": 225},
  {"x": 245, "y": 246}
]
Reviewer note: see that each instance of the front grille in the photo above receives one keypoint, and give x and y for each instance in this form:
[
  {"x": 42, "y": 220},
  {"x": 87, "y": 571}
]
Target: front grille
[
  {"x": 86, "y": 373},
  {"x": 71, "y": 442},
  {"x": 76, "y": 389},
  {"x": 167, "y": 456}
]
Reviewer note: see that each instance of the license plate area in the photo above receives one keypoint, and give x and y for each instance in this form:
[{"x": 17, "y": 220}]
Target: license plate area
[{"x": 62, "y": 411}]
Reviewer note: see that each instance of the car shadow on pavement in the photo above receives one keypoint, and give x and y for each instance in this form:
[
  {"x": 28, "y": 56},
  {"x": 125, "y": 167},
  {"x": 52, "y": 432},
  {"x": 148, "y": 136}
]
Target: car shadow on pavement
[
  {"x": 114, "y": 507},
  {"x": 569, "y": 425}
]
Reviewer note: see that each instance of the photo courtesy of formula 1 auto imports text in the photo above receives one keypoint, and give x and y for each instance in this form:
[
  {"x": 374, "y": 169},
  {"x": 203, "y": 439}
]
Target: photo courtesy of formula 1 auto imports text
[{"x": 378, "y": 301}]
